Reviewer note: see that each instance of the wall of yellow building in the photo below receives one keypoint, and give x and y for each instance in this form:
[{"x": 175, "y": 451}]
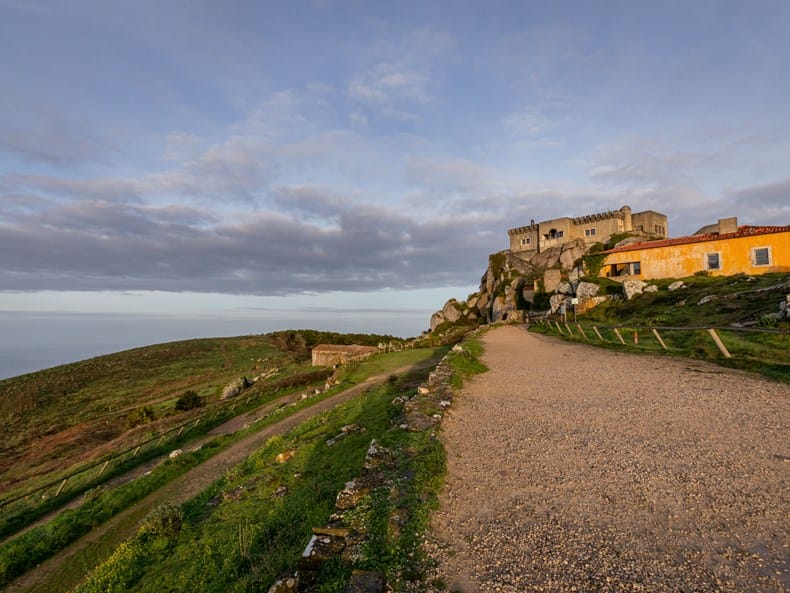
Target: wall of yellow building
[{"x": 679, "y": 261}]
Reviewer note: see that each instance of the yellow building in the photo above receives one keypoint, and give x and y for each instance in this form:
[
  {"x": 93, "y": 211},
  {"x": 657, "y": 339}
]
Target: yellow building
[{"x": 729, "y": 250}]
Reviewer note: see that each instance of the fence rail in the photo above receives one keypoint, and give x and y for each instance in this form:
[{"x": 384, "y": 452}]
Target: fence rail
[{"x": 576, "y": 330}]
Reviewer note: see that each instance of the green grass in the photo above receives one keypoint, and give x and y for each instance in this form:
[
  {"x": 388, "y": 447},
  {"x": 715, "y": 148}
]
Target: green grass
[
  {"x": 239, "y": 535},
  {"x": 31, "y": 548},
  {"x": 737, "y": 299},
  {"x": 252, "y": 536}
]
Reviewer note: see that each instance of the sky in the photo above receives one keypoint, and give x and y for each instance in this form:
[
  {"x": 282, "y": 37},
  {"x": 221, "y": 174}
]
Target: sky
[{"x": 353, "y": 163}]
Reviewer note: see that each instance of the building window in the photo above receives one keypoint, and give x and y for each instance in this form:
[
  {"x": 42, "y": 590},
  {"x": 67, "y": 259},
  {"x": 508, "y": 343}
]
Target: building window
[
  {"x": 589, "y": 232},
  {"x": 761, "y": 256},
  {"x": 527, "y": 240},
  {"x": 523, "y": 241},
  {"x": 636, "y": 268},
  {"x": 560, "y": 234},
  {"x": 712, "y": 261}
]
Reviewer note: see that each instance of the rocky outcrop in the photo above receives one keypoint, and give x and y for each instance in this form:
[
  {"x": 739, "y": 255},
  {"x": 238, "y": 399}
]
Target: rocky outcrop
[
  {"x": 632, "y": 288},
  {"x": 511, "y": 281},
  {"x": 235, "y": 388}
]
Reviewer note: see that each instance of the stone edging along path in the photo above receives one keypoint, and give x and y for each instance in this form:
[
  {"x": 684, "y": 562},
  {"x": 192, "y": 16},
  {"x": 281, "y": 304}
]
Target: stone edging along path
[
  {"x": 572, "y": 468},
  {"x": 340, "y": 538}
]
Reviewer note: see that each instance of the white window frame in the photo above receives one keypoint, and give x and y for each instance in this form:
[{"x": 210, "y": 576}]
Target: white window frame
[
  {"x": 754, "y": 256},
  {"x": 707, "y": 260}
]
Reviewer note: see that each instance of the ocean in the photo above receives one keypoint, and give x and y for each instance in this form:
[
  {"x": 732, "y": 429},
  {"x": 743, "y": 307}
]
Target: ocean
[{"x": 35, "y": 341}]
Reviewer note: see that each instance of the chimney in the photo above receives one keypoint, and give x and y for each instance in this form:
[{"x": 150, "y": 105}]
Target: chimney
[{"x": 728, "y": 225}]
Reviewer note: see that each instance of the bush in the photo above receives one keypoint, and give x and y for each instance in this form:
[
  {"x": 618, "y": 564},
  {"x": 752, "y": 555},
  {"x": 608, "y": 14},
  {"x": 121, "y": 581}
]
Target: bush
[
  {"x": 189, "y": 400},
  {"x": 140, "y": 416}
]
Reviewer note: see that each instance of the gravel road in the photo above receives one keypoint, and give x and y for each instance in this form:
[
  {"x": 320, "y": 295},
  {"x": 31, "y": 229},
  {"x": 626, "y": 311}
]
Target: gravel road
[{"x": 573, "y": 468}]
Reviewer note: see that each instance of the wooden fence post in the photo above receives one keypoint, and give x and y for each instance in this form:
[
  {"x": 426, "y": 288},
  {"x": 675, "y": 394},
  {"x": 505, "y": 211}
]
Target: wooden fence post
[
  {"x": 619, "y": 337},
  {"x": 180, "y": 430},
  {"x": 559, "y": 329},
  {"x": 597, "y": 333},
  {"x": 61, "y": 487},
  {"x": 581, "y": 330},
  {"x": 658, "y": 337},
  {"x": 159, "y": 442},
  {"x": 719, "y": 343},
  {"x": 636, "y": 337},
  {"x": 103, "y": 467},
  {"x": 136, "y": 451},
  {"x": 568, "y": 327}
]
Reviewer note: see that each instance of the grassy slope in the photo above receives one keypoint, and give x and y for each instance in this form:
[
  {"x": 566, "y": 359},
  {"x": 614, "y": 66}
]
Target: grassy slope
[
  {"x": 60, "y": 416},
  {"x": 20, "y": 554},
  {"x": 737, "y": 299},
  {"x": 240, "y": 534}
]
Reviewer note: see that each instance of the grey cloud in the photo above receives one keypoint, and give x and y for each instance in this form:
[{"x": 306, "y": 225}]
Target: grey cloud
[
  {"x": 770, "y": 194},
  {"x": 96, "y": 245}
]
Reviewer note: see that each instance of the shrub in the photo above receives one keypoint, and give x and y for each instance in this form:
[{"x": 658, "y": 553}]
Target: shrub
[
  {"x": 140, "y": 416},
  {"x": 189, "y": 400}
]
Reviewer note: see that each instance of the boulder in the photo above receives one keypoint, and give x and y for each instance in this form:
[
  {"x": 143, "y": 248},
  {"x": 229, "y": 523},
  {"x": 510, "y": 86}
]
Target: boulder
[
  {"x": 548, "y": 258},
  {"x": 175, "y": 453},
  {"x": 556, "y": 300},
  {"x": 235, "y": 388},
  {"x": 585, "y": 290},
  {"x": 571, "y": 252},
  {"x": 564, "y": 288},
  {"x": 452, "y": 310},
  {"x": 499, "y": 309},
  {"x": 678, "y": 284},
  {"x": 437, "y": 319},
  {"x": 551, "y": 279},
  {"x": 651, "y": 288},
  {"x": 632, "y": 288},
  {"x": 473, "y": 300}
]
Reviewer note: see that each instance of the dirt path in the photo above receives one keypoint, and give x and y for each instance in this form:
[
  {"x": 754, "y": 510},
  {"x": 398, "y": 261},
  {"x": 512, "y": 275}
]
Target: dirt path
[
  {"x": 92, "y": 548},
  {"x": 573, "y": 468}
]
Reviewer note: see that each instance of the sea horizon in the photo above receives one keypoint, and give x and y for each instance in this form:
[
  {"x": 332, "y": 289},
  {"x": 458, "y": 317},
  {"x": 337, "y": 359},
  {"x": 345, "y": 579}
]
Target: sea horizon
[{"x": 41, "y": 340}]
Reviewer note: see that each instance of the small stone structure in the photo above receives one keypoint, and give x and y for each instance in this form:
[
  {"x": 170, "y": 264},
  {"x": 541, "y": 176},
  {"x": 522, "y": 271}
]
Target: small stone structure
[{"x": 327, "y": 355}]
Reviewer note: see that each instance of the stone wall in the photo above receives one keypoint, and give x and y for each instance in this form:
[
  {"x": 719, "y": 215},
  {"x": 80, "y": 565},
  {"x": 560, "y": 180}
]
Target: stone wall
[{"x": 327, "y": 355}]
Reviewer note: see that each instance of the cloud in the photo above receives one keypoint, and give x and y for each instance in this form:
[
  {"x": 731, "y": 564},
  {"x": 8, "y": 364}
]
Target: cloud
[
  {"x": 447, "y": 175},
  {"x": 98, "y": 245}
]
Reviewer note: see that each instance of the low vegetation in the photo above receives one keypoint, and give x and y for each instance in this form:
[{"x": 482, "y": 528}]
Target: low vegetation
[
  {"x": 704, "y": 301},
  {"x": 251, "y": 526}
]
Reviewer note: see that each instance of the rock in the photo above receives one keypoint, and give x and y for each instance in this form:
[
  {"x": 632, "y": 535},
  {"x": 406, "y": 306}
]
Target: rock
[
  {"x": 498, "y": 309},
  {"x": 286, "y": 584},
  {"x": 281, "y": 491},
  {"x": 473, "y": 300},
  {"x": 349, "y": 497},
  {"x": 556, "y": 300},
  {"x": 678, "y": 284},
  {"x": 564, "y": 288},
  {"x": 423, "y": 390},
  {"x": 235, "y": 388},
  {"x": 632, "y": 288},
  {"x": 365, "y": 581},
  {"x": 551, "y": 278},
  {"x": 452, "y": 310},
  {"x": 573, "y": 275},
  {"x": 285, "y": 456},
  {"x": 707, "y": 299},
  {"x": 651, "y": 288},
  {"x": 586, "y": 290},
  {"x": 458, "y": 348},
  {"x": 176, "y": 453},
  {"x": 437, "y": 319},
  {"x": 517, "y": 317},
  {"x": 571, "y": 252}
]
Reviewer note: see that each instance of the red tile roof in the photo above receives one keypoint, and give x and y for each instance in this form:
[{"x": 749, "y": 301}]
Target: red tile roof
[{"x": 743, "y": 231}]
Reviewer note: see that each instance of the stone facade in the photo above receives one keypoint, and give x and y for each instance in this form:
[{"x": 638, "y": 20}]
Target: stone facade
[
  {"x": 327, "y": 355},
  {"x": 593, "y": 228}
]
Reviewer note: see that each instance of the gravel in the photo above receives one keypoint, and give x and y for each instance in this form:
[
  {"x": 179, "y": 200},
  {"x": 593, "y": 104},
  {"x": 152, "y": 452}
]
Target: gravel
[{"x": 573, "y": 468}]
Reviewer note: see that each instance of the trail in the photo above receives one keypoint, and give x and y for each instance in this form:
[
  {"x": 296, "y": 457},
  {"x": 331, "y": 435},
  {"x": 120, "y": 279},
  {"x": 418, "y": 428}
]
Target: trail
[
  {"x": 573, "y": 468},
  {"x": 92, "y": 548}
]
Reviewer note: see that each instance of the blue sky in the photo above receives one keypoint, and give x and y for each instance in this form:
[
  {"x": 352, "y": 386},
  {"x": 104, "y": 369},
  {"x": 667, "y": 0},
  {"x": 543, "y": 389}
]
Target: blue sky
[{"x": 327, "y": 157}]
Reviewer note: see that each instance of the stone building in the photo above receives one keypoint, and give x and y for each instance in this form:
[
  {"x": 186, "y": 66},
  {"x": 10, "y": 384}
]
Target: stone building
[
  {"x": 327, "y": 355},
  {"x": 592, "y": 228}
]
